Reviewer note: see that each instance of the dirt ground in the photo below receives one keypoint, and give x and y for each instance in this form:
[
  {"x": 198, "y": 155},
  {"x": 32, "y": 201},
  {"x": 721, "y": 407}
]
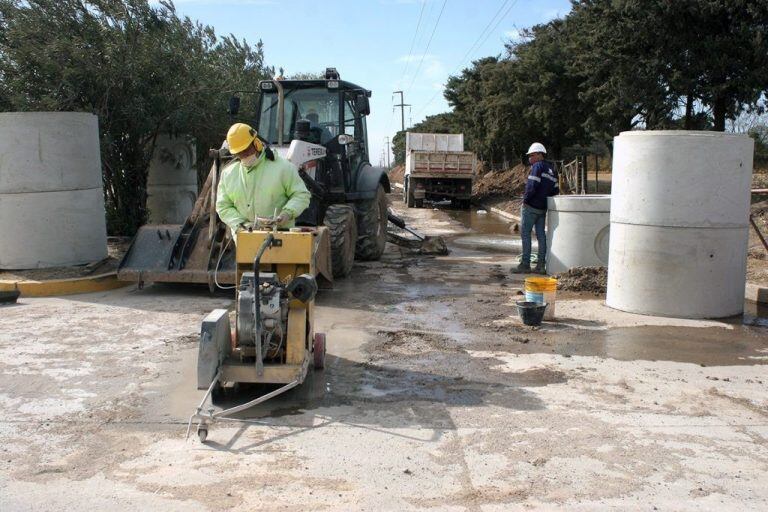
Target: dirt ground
[
  {"x": 116, "y": 248},
  {"x": 434, "y": 397},
  {"x": 584, "y": 279}
]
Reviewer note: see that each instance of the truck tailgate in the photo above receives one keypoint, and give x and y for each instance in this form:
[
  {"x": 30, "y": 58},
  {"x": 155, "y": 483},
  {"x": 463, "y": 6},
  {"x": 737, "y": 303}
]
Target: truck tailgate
[{"x": 442, "y": 164}]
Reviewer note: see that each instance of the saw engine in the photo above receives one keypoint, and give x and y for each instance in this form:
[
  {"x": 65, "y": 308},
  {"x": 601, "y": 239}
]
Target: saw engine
[{"x": 262, "y": 313}]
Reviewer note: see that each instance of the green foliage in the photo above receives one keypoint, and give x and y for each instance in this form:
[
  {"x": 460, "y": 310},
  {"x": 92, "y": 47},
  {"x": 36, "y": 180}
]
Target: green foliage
[
  {"x": 320, "y": 75},
  {"x": 642, "y": 61},
  {"x": 760, "y": 134},
  {"x": 611, "y": 66},
  {"x": 531, "y": 94},
  {"x": 142, "y": 69}
]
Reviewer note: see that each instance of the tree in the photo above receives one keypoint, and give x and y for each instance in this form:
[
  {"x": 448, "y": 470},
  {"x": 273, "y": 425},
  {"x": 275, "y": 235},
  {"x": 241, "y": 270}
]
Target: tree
[
  {"x": 143, "y": 70},
  {"x": 307, "y": 76},
  {"x": 545, "y": 90},
  {"x": 617, "y": 55},
  {"x": 504, "y": 104},
  {"x": 470, "y": 94},
  {"x": 642, "y": 60},
  {"x": 760, "y": 134}
]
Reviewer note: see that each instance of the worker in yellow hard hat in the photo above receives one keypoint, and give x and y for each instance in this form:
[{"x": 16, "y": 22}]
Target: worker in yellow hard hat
[{"x": 258, "y": 184}]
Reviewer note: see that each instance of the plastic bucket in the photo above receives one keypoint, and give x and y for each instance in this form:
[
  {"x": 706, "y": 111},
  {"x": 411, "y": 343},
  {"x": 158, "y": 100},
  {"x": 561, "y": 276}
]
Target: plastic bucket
[
  {"x": 544, "y": 291},
  {"x": 531, "y": 313}
]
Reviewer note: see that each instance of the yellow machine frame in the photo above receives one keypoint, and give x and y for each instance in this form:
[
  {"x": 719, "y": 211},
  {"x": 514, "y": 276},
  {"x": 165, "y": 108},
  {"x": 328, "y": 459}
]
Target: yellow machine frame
[
  {"x": 221, "y": 359},
  {"x": 291, "y": 254}
]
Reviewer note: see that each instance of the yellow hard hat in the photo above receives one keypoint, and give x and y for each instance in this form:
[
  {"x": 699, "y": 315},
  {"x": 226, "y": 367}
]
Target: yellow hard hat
[{"x": 240, "y": 136}]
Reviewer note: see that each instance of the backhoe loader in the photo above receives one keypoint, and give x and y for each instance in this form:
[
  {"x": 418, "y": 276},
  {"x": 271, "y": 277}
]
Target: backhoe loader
[{"x": 320, "y": 126}]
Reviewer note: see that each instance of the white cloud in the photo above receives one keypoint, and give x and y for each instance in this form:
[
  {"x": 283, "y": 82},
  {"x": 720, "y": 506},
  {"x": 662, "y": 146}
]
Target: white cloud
[
  {"x": 434, "y": 68},
  {"x": 515, "y": 35},
  {"x": 431, "y": 71}
]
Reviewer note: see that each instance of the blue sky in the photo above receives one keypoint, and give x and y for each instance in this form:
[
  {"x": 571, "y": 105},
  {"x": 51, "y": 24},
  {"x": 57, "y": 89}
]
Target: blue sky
[{"x": 375, "y": 44}]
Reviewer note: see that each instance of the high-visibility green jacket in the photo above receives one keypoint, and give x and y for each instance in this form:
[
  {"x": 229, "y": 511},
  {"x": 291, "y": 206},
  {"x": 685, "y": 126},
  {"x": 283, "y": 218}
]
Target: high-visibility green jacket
[{"x": 245, "y": 193}]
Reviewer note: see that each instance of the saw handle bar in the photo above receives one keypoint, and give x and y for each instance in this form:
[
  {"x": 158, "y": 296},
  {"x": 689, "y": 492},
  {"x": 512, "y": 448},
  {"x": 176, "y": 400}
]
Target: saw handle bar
[{"x": 268, "y": 241}]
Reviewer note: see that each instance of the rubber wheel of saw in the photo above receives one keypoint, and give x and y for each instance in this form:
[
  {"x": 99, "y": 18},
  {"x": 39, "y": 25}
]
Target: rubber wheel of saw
[
  {"x": 318, "y": 350},
  {"x": 341, "y": 223},
  {"x": 372, "y": 226}
]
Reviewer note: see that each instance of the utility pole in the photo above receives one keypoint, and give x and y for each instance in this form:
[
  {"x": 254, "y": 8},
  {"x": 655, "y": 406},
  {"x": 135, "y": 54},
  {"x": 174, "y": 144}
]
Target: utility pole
[
  {"x": 386, "y": 141},
  {"x": 402, "y": 106}
]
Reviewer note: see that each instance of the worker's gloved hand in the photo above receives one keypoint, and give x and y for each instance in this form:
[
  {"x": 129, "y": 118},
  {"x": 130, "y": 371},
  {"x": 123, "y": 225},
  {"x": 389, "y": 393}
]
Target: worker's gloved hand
[{"x": 282, "y": 218}]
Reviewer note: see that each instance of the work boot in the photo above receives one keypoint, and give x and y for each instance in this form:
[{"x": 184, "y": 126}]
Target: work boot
[
  {"x": 523, "y": 268},
  {"x": 540, "y": 269}
]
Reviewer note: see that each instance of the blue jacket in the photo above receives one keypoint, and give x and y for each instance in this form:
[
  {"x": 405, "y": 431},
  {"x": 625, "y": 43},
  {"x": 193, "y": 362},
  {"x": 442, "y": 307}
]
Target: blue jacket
[{"x": 541, "y": 184}]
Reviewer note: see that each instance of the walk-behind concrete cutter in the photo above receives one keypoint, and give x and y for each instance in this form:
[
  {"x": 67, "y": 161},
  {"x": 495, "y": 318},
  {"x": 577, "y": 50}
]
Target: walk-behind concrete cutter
[{"x": 273, "y": 341}]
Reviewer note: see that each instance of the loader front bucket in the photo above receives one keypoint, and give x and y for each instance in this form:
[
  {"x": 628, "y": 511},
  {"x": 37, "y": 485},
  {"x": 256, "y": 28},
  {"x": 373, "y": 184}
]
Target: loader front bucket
[
  {"x": 426, "y": 245},
  {"x": 422, "y": 244},
  {"x": 188, "y": 253},
  {"x": 172, "y": 254}
]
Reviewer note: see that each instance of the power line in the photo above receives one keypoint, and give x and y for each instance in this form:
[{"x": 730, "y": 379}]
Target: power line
[
  {"x": 475, "y": 45},
  {"x": 413, "y": 41},
  {"x": 497, "y": 23},
  {"x": 482, "y": 33},
  {"x": 418, "y": 68},
  {"x": 408, "y": 59}
]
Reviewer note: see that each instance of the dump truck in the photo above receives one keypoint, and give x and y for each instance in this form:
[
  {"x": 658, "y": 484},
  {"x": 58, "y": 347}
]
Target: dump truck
[
  {"x": 320, "y": 126},
  {"x": 437, "y": 168}
]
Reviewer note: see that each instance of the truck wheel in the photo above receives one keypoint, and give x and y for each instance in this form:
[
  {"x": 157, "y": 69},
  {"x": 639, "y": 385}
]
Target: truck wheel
[
  {"x": 340, "y": 221},
  {"x": 410, "y": 201},
  {"x": 372, "y": 226},
  {"x": 418, "y": 203}
]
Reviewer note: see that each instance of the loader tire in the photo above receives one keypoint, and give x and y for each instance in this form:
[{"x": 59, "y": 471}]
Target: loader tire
[
  {"x": 340, "y": 221},
  {"x": 372, "y": 226}
]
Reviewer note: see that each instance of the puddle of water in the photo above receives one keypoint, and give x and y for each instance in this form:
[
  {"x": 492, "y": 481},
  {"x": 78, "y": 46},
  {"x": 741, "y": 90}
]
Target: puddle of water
[
  {"x": 707, "y": 347},
  {"x": 481, "y": 223},
  {"x": 495, "y": 243},
  {"x": 755, "y": 314}
]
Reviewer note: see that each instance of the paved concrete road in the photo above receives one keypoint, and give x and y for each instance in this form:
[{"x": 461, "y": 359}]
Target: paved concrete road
[{"x": 434, "y": 398}]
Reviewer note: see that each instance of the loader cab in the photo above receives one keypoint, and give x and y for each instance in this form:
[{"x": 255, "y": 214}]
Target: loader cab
[
  {"x": 336, "y": 110},
  {"x": 348, "y": 193}
]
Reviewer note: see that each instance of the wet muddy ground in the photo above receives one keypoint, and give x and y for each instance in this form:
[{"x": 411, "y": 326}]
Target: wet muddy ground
[{"x": 434, "y": 397}]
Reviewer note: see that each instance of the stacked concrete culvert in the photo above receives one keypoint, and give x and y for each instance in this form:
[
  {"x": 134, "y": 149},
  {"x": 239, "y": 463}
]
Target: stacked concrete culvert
[
  {"x": 171, "y": 181},
  {"x": 679, "y": 223},
  {"x": 51, "y": 199}
]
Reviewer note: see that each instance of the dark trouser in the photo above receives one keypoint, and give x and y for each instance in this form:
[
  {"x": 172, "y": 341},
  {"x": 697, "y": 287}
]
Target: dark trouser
[{"x": 533, "y": 218}]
